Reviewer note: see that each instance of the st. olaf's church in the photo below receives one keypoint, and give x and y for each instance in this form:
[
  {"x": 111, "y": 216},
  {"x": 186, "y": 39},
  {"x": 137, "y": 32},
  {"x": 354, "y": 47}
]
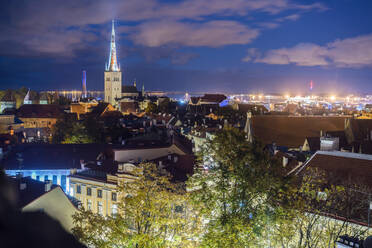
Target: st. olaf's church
[{"x": 114, "y": 91}]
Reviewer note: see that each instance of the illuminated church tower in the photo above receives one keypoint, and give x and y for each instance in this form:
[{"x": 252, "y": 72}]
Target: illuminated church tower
[{"x": 112, "y": 74}]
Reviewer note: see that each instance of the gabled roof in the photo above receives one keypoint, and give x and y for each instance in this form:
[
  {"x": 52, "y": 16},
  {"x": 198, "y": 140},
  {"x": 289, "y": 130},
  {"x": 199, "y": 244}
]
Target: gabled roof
[
  {"x": 129, "y": 89},
  {"x": 40, "y": 111},
  {"x": 33, "y": 190},
  {"x": 314, "y": 143},
  {"x": 342, "y": 166},
  {"x": 291, "y": 131},
  {"x": 217, "y": 98}
]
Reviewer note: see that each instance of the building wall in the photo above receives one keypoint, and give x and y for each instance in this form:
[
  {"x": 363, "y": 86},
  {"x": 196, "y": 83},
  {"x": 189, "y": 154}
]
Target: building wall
[
  {"x": 93, "y": 201},
  {"x": 55, "y": 204},
  {"x": 58, "y": 177},
  {"x": 38, "y": 122},
  {"x": 5, "y": 105},
  {"x": 112, "y": 86}
]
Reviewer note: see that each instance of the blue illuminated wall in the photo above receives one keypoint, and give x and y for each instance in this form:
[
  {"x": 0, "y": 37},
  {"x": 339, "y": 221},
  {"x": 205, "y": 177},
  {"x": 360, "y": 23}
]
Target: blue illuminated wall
[{"x": 59, "y": 177}]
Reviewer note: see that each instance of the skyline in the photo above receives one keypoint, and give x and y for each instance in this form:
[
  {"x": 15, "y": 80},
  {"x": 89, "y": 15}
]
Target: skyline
[{"x": 235, "y": 46}]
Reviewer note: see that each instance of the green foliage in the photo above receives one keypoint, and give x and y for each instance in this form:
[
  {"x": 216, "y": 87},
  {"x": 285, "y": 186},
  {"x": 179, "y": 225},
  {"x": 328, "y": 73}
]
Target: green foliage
[
  {"x": 151, "y": 108},
  {"x": 78, "y": 135},
  {"x": 67, "y": 130},
  {"x": 239, "y": 194},
  {"x": 153, "y": 212}
]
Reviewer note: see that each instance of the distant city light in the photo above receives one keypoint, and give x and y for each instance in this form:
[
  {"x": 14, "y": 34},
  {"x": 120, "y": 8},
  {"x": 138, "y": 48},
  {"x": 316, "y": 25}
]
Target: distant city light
[{"x": 333, "y": 97}]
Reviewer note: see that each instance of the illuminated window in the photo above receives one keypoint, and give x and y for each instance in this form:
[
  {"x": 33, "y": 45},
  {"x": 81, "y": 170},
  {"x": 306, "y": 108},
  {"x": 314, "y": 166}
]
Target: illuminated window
[
  {"x": 45, "y": 178},
  {"x": 38, "y": 178},
  {"x": 114, "y": 210},
  {"x": 99, "y": 208},
  {"x": 89, "y": 204},
  {"x": 113, "y": 196},
  {"x": 78, "y": 189},
  {"x": 89, "y": 191},
  {"x": 72, "y": 192},
  {"x": 99, "y": 193}
]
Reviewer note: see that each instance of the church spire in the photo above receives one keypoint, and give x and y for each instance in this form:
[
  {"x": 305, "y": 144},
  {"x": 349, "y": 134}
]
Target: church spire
[{"x": 113, "y": 63}]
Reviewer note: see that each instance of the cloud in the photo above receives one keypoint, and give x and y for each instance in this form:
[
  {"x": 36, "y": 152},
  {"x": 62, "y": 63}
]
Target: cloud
[
  {"x": 171, "y": 53},
  {"x": 351, "y": 52},
  {"x": 212, "y": 34},
  {"x": 57, "y": 29},
  {"x": 292, "y": 17}
]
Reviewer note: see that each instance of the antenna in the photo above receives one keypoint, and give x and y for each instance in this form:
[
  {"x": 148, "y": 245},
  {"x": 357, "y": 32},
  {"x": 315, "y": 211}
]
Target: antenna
[{"x": 84, "y": 81}]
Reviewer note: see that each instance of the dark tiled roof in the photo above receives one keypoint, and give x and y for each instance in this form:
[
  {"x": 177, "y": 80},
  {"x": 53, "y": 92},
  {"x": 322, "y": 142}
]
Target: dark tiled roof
[
  {"x": 129, "y": 89},
  {"x": 51, "y": 156},
  {"x": 99, "y": 109},
  {"x": 252, "y": 108},
  {"x": 180, "y": 168},
  {"x": 194, "y": 99},
  {"x": 39, "y": 111},
  {"x": 213, "y": 98},
  {"x": 314, "y": 143},
  {"x": 33, "y": 190},
  {"x": 292, "y": 131},
  {"x": 342, "y": 166},
  {"x": 361, "y": 128}
]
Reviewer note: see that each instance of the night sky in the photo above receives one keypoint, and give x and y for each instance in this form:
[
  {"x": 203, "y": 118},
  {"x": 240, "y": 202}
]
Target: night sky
[{"x": 190, "y": 45}]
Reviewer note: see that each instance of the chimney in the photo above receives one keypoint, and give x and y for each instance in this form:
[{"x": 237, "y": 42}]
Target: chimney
[
  {"x": 321, "y": 133},
  {"x": 48, "y": 185},
  {"x": 175, "y": 159},
  {"x": 169, "y": 157},
  {"x": 22, "y": 186},
  {"x": 160, "y": 163},
  {"x": 285, "y": 161}
]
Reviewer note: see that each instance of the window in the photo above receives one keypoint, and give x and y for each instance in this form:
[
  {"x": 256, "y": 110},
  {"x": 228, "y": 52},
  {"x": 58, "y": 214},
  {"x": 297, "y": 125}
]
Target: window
[
  {"x": 89, "y": 191},
  {"x": 78, "y": 189},
  {"x": 99, "y": 193},
  {"x": 113, "y": 196},
  {"x": 71, "y": 191},
  {"x": 38, "y": 178},
  {"x": 54, "y": 179},
  {"x": 114, "y": 210},
  {"x": 99, "y": 208},
  {"x": 45, "y": 178},
  {"x": 89, "y": 204}
]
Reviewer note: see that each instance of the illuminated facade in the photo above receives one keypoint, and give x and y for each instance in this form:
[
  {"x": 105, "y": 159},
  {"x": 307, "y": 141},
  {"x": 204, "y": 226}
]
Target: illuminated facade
[{"x": 112, "y": 75}]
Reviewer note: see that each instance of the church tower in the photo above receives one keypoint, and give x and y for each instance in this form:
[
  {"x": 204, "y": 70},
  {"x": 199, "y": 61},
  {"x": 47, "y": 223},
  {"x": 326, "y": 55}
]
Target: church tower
[{"x": 112, "y": 74}]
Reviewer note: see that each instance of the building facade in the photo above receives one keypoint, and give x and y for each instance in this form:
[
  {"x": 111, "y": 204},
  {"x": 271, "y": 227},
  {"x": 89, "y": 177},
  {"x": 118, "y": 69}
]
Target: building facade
[{"x": 112, "y": 75}]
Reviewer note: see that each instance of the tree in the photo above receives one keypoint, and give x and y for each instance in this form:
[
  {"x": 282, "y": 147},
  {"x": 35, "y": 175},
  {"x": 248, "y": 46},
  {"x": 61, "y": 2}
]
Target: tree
[
  {"x": 68, "y": 130},
  {"x": 238, "y": 191},
  {"x": 323, "y": 213},
  {"x": 153, "y": 212},
  {"x": 78, "y": 135},
  {"x": 151, "y": 108}
]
